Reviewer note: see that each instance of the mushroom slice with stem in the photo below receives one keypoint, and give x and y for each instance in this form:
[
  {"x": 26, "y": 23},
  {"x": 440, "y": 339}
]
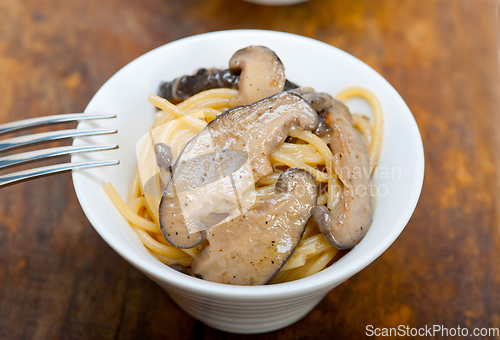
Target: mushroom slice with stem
[
  {"x": 262, "y": 74},
  {"x": 204, "y": 79},
  {"x": 349, "y": 220},
  {"x": 206, "y": 179},
  {"x": 252, "y": 248},
  {"x": 255, "y": 70}
]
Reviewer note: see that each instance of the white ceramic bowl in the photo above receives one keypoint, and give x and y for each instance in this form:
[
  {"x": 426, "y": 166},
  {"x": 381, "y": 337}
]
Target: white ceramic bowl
[{"x": 242, "y": 309}]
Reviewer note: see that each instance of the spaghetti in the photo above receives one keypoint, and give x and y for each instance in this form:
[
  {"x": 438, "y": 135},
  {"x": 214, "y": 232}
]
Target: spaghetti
[{"x": 176, "y": 125}]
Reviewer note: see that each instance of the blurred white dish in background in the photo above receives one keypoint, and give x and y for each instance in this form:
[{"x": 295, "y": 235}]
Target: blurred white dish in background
[
  {"x": 276, "y": 2},
  {"x": 249, "y": 309}
]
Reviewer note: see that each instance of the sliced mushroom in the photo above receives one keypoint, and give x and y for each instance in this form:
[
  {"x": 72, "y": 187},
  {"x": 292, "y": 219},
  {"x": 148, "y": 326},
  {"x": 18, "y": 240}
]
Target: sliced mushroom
[
  {"x": 163, "y": 155},
  {"x": 262, "y": 74},
  {"x": 320, "y": 101},
  {"x": 289, "y": 85},
  {"x": 349, "y": 221},
  {"x": 204, "y": 79},
  {"x": 256, "y": 131},
  {"x": 184, "y": 87},
  {"x": 252, "y": 248}
]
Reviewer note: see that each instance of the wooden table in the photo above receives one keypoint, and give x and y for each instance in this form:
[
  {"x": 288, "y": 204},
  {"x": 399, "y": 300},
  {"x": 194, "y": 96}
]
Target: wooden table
[{"x": 59, "y": 280}]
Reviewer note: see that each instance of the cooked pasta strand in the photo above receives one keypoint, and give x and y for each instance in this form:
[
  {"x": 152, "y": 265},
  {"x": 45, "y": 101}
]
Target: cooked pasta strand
[
  {"x": 135, "y": 186},
  {"x": 284, "y": 158},
  {"x": 214, "y": 103},
  {"x": 157, "y": 247},
  {"x": 302, "y": 152},
  {"x": 208, "y": 113},
  {"x": 321, "y": 262},
  {"x": 165, "y": 105},
  {"x": 209, "y": 94},
  {"x": 378, "y": 125},
  {"x": 127, "y": 212},
  {"x": 184, "y": 261},
  {"x": 322, "y": 199},
  {"x": 269, "y": 179},
  {"x": 361, "y": 122},
  {"x": 324, "y": 150}
]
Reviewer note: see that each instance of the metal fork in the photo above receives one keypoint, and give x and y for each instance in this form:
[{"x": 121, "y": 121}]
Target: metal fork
[{"x": 27, "y": 157}]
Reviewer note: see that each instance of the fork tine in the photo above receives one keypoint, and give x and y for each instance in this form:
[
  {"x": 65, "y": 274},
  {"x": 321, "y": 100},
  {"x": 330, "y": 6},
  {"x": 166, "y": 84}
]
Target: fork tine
[
  {"x": 28, "y": 157},
  {"x": 32, "y": 122},
  {"x": 15, "y": 142},
  {"x": 25, "y": 175}
]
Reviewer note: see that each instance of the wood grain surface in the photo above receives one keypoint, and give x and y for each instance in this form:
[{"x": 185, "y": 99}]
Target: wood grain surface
[{"x": 59, "y": 280}]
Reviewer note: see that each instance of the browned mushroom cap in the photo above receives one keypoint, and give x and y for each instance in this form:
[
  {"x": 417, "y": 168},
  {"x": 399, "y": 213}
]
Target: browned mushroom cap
[
  {"x": 351, "y": 217},
  {"x": 186, "y": 86},
  {"x": 244, "y": 63},
  {"x": 262, "y": 74},
  {"x": 251, "y": 249},
  {"x": 321, "y": 102},
  {"x": 256, "y": 131}
]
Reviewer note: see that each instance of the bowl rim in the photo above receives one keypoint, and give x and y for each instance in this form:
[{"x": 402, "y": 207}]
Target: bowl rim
[{"x": 315, "y": 283}]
